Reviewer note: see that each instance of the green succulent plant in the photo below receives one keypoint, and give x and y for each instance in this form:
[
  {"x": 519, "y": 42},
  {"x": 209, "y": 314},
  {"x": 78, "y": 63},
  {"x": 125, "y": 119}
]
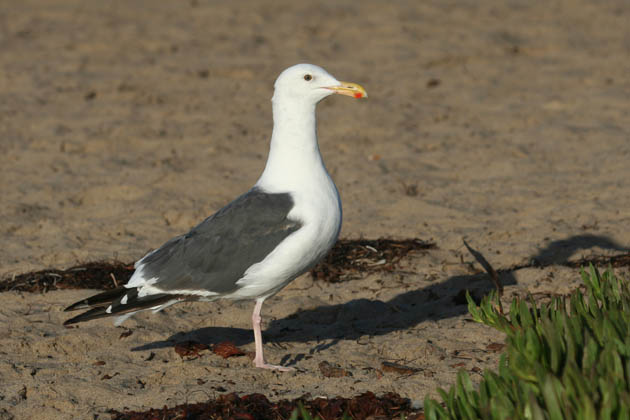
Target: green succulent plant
[{"x": 568, "y": 358}]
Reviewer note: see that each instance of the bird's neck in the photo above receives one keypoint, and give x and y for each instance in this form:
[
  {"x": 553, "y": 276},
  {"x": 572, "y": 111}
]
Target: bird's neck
[{"x": 294, "y": 157}]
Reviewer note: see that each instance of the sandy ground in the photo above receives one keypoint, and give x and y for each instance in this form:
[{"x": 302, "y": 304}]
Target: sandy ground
[{"x": 123, "y": 123}]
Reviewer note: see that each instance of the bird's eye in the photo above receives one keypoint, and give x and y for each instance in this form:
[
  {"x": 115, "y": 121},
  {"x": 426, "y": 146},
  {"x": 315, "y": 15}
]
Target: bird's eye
[{"x": 308, "y": 77}]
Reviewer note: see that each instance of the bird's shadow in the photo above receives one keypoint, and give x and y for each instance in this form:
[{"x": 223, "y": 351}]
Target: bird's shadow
[
  {"x": 327, "y": 325},
  {"x": 560, "y": 252}
]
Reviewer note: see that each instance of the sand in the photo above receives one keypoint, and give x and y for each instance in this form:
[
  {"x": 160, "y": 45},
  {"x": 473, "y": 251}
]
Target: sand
[{"x": 123, "y": 123}]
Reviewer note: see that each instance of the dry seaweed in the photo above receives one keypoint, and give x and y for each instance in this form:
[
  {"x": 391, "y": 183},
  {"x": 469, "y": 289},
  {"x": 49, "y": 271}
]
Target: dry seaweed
[
  {"x": 350, "y": 259},
  {"x": 95, "y": 275},
  {"x": 615, "y": 261},
  {"x": 257, "y": 406}
]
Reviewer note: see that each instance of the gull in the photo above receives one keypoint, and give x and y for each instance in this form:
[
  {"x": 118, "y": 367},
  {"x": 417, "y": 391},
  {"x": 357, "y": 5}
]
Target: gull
[{"x": 261, "y": 241}]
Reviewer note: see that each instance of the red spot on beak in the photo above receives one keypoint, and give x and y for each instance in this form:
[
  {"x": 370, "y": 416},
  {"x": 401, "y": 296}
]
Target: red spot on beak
[{"x": 358, "y": 95}]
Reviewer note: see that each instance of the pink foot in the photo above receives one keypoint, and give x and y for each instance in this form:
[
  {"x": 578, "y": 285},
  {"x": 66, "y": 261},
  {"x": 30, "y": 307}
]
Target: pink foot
[
  {"x": 259, "y": 360},
  {"x": 264, "y": 365}
]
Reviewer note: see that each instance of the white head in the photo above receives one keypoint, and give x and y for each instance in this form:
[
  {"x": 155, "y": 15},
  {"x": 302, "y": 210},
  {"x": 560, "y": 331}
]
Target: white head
[
  {"x": 294, "y": 160},
  {"x": 310, "y": 83}
]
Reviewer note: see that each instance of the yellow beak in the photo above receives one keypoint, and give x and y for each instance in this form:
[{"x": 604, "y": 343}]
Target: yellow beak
[{"x": 349, "y": 89}]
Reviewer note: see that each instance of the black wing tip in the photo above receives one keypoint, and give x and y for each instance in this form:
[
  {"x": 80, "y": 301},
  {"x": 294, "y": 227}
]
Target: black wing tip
[
  {"x": 99, "y": 300},
  {"x": 77, "y": 305},
  {"x": 103, "y": 311},
  {"x": 70, "y": 322},
  {"x": 86, "y": 316},
  {"x": 92, "y": 314}
]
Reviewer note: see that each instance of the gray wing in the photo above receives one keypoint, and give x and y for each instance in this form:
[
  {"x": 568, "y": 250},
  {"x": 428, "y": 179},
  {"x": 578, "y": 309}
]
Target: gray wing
[{"x": 215, "y": 254}]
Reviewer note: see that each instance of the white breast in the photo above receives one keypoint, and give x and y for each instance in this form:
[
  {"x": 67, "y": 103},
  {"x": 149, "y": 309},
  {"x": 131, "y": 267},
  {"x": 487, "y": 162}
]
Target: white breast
[
  {"x": 295, "y": 166},
  {"x": 318, "y": 207}
]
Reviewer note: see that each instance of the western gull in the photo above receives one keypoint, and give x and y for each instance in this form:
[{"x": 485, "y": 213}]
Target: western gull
[{"x": 261, "y": 241}]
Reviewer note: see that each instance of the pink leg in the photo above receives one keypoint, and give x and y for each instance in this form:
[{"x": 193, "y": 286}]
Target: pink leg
[{"x": 259, "y": 360}]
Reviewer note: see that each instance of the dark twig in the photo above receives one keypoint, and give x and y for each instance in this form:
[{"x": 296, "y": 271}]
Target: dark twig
[{"x": 494, "y": 276}]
